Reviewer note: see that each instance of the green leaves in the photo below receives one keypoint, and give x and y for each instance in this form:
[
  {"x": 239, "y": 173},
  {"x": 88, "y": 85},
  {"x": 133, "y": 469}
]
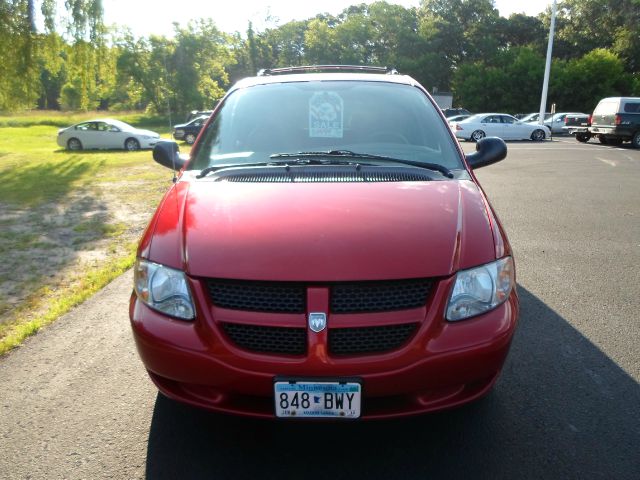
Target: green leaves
[{"x": 489, "y": 62}]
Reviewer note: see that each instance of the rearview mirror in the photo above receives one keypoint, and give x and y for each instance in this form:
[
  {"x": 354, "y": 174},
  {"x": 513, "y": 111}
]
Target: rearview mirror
[
  {"x": 488, "y": 150},
  {"x": 167, "y": 154}
]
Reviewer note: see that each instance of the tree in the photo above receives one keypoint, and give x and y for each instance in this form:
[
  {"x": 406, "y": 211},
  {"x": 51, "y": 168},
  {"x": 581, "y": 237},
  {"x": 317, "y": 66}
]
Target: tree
[
  {"x": 579, "y": 84},
  {"x": 585, "y": 25},
  {"x": 521, "y": 30},
  {"x": 198, "y": 65},
  {"x": 287, "y": 44},
  {"x": 460, "y": 31},
  {"x": 511, "y": 83},
  {"x": 321, "y": 43}
]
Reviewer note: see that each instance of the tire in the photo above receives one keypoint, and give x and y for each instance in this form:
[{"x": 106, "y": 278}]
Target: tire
[
  {"x": 538, "y": 135},
  {"x": 602, "y": 139},
  {"x": 190, "y": 138},
  {"x": 635, "y": 141},
  {"x": 582, "y": 137},
  {"x": 131, "y": 144},
  {"x": 74, "y": 144},
  {"x": 614, "y": 141},
  {"x": 478, "y": 135}
]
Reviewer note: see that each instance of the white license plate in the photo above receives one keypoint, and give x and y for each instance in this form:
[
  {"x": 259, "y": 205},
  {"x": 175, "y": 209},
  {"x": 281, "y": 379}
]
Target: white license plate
[{"x": 315, "y": 399}]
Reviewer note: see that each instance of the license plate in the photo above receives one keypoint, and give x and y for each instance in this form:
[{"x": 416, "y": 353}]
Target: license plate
[{"x": 317, "y": 399}]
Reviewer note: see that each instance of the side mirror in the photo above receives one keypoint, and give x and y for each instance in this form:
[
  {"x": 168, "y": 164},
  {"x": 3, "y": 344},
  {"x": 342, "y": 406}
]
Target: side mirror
[
  {"x": 488, "y": 150},
  {"x": 167, "y": 154}
]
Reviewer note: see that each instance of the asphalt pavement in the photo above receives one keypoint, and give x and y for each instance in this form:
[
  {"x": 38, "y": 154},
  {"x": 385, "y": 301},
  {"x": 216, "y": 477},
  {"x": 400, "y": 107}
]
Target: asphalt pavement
[{"x": 75, "y": 401}]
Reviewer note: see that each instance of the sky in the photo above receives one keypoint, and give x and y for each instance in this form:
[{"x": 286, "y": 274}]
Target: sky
[{"x": 145, "y": 17}]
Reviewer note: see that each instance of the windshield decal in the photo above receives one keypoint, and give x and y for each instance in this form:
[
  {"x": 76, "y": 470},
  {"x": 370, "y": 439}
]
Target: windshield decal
[{"x": 326, "y": 115}]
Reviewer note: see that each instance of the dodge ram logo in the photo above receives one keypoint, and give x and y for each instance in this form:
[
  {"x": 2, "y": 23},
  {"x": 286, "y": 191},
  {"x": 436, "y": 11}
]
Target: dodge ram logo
[{"x": 317, "y": 321}]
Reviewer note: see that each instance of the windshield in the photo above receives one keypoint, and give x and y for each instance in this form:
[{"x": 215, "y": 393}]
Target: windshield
[{"x": 377, "y": 118}]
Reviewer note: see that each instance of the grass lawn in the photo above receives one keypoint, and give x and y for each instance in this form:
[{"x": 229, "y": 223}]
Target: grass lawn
[{"x": 69, "y": 221}]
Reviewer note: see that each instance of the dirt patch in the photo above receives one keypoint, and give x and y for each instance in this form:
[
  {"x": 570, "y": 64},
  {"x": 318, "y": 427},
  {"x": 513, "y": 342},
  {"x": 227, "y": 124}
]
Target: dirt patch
[{"x": 51, "y": 246}]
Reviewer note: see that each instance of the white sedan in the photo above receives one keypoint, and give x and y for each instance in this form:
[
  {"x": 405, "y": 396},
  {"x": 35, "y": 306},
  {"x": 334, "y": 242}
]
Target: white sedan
[
  {"x": 499, "y": 125},
  {"x": 106, "y": 133}
]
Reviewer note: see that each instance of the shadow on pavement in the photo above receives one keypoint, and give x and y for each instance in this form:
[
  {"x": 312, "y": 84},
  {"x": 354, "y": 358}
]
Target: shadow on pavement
[{"x": 561, "y": 409}]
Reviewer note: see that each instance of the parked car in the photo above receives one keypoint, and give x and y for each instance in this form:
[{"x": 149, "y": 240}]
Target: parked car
[
  {"x": 616, "y": 120},
  {"x": 457, "y": 118},
  {"x": 105, "y": 133},
  {"x": 555, "y": 122},
  {"x": 197, "y": 113},
  {"x": 326, "y": 252},
  {"x": 501, "y": 125},
  {"x": 189, "y": 131},
  {"x": 533, "y": 117},
  {"x": 452, "y": 112},
  {"x": 577, "y": 124}
]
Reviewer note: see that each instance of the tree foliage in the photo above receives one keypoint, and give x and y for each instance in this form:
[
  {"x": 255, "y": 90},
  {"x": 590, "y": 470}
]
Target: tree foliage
[{"x": 487, "y": 61}]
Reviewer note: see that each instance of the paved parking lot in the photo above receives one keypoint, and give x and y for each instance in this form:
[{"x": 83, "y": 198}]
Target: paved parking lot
[{"x": 76, "y": 403}]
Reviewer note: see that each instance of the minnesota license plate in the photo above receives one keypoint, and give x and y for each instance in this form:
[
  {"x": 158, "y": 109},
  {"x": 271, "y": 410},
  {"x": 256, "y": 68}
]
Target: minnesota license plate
[{"x": 317, "y": 399}]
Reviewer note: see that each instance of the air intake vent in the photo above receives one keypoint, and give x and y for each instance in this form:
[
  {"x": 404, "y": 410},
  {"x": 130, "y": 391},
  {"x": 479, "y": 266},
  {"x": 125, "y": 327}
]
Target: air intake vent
[
  {"x": 362, "y": 340},
  {"x": 367, "y": 297},
  {"x": 322, "y": 174},
  {"x": 272, "y": 297},
  {"x": 261, "y": 339},
  {"x": 345, "y": 297}
]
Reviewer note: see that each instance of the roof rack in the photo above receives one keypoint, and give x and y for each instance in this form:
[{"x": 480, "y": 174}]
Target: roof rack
[{"x": 327, "y": 68}]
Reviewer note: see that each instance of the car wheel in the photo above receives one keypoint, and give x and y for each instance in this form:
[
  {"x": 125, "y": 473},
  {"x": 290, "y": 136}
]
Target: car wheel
[
  {"x": 74, "y": 144},
  {"x": 614, "y": 141},
  {"x": 477, "y": 135},
  {"x": 635, "y": 141},
  {"x": 131, "y": 144},
  {"x": 582, "y": 137},
  {"x": 190, "y": 138},
  {"x": 538, "y": 135},
  {"x": 602, "y": 139}
]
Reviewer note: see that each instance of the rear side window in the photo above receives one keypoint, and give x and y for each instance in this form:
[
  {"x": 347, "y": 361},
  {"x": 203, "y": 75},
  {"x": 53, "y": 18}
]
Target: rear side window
[
  {"x": 632, "y": 107},
  {"x": 609, "y": 107}
]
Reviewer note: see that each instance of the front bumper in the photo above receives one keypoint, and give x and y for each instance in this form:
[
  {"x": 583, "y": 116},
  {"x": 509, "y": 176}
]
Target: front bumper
[
  {"x": 148, "y": 142},
  {"x": 443, "y": 365}
]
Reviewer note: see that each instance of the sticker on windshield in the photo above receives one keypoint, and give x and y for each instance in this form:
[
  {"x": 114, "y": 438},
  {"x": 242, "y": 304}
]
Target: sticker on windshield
[{"x": 325, "y": 115}]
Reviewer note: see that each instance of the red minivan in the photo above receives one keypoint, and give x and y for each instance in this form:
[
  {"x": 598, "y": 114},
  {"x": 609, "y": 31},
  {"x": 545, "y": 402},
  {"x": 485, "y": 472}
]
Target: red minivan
[{"x": 325, "y": 252}]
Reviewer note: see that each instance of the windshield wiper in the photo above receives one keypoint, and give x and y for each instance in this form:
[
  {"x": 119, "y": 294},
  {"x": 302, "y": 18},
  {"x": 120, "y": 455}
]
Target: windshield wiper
[
  {"x": 331, "y": 157},
  {"x": 349, "y": 154},
  {"x": 302, "y": 158}
]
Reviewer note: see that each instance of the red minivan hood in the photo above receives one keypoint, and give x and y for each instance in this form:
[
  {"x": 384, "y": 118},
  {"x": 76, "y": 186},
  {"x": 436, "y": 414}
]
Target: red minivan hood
[{"x": 323, "y": 231}]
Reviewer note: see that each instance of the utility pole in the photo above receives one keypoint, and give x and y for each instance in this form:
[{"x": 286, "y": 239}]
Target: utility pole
[{"x": 547, "y": 68}]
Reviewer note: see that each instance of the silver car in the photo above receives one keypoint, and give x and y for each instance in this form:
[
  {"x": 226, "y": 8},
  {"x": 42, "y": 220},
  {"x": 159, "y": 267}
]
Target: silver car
[
  {"x": 106, "y": 133},
  {"x": 501, "y": 125}
]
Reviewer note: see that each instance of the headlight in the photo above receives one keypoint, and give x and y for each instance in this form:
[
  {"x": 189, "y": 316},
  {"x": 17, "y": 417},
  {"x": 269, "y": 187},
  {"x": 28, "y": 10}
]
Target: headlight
[
  {"x": 164, "y": 289},
  {"x": 481, "y": 289},
  {"x": 179, "y": 132}
]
